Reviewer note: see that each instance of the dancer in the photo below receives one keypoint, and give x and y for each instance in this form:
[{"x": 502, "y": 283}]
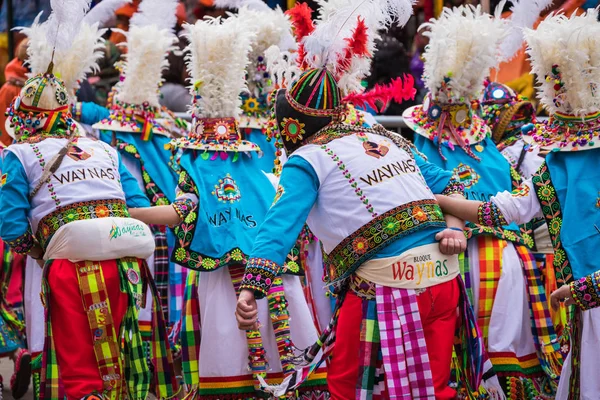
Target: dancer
[
  {"x": 223, "y": 196},
  {"x": 562, "y": 57},
  {"x": 505, "y": 284}
]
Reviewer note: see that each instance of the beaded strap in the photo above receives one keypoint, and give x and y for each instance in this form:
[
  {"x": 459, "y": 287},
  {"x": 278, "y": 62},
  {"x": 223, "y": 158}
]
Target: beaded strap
[
  {"x": 490, "y": 215},
  {"x": 586, "y": 291},
  {"x": 259, "y": 276},
  {"x": 23, "y": 243}
]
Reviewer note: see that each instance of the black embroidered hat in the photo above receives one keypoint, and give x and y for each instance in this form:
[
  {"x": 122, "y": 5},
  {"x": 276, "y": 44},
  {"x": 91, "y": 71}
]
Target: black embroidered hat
[{"x": 312, "y": 103}]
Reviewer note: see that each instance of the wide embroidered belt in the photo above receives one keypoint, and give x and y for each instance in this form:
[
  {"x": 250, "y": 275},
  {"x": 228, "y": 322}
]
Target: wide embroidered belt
[
  {"x": 417, "y": 268},
  {"x": 361, "y": 245},
  {"x": 77, "y": 212}
]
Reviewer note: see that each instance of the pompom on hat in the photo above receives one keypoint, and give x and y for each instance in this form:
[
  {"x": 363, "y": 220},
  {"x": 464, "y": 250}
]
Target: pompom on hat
[
  {"x": 464, "y": 45},
  {"x": 505, "y": 111},
  {"x": 565, "y": 59}
]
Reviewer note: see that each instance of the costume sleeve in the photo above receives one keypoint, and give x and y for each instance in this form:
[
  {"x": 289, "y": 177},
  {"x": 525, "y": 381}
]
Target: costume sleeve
[
  {"x": 186, "y": 195},
  {"x": 14, "y": 205},
  {"x": 586, "y": 291},
  {"x": 296, "y": 194},
  {"x": 89, "y": 113},
  {"x": 519, "y": 206},
  {"x": 134, "y": 196},
  {"x": 439, "y": 180}
]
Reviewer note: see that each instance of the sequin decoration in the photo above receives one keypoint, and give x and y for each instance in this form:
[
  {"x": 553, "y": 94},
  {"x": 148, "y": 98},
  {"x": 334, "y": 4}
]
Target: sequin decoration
[{"x": 292, "y": 129}]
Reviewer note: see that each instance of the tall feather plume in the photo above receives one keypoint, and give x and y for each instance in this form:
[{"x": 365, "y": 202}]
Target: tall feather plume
[
  {"x": 256, "y": 5},
  {"x": 565, "y": 57},
  {"x": 217, "y": 57},
  {"x": 282, "y": 66},
  {"x": 64, "y": 22},
  {"x": 72, "y": 63},
  {"x": 301, "y": 18},
  {"x": 269, "y": 28},
  {"x": 327, "y": 45},
  {"x": 161, "y": 13},
  {"x": 149, "y": 40},
  {"x": 104, "y": 12},
  {"x": 464, "y": 44},
  {"x": 524, "y": 15}
]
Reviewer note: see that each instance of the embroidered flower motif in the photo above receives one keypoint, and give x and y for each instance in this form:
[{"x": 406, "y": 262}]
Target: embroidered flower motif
[
  {"x": 208, "y": 263},
  {"x": 146, "y": 177},
  {"x": 162, "y": 201},
  {"x": 510, "y": 235},
  {"x": 555, "y": 225},
  {"x": 559, "y": 256},
  {"x": 236, "y": 255},
  {"x": 180, "y": 254},
  {"x": 360, "y": 245},
  {"x": 71, "y": 216},
  {"x": 250, "y": 105},
  {"x": 102, "y": 211},
  {"x": 546, "y": 193},
  {"x": 293, "y": 266},
  {"x": 419, "y": 214},
  {"x": 292, "y": 129},
  {"x": 130, "y": 149},
  {"x": 191, "y": 217},
  {"x": 391, "y": 225}
]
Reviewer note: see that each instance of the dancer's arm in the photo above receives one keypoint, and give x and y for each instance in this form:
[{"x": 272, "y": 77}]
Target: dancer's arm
[
  {"x": 296, "y": 194},
  {"x": 584, "y": 293}
]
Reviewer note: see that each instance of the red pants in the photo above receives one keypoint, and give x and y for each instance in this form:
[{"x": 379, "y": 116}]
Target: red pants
[
  {"x": 438, "y": 310},
  {"x": 72, "y": 336}
]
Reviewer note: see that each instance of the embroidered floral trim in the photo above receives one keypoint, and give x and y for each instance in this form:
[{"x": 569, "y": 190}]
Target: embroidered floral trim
[
  {"x": 351, "y": 181},
  {"x": 586, "y": 291},
  {"x": 22, "y": 244},
  {"x": 454, "y": 187},
  {"x": 553, "y": 216},
  {"x": 347, "y": 256},
  {"x": 153, "y": 192},
  {"x": 77, "y": 212},
  {"x": 42, "y": 162},
  {"x": 260, "y": 274},
  {"x": 521, "y": 237}
]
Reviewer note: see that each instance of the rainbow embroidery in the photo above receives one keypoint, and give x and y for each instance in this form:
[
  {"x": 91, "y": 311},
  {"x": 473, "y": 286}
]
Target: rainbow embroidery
[{"x": 227, "y": 190}]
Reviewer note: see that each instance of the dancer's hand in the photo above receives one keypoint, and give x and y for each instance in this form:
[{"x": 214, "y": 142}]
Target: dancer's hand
[
  {"x": 492, "y": 386},
  {"x": 561, "y": 294},
  {"x": 246, "y": 311},
  {"x": 451, "y": 241}
]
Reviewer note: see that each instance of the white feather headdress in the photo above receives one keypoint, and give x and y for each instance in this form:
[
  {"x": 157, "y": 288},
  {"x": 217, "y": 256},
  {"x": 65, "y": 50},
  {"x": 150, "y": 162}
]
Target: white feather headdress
[
  {"x": 255, "y": 5},
  {"x": 464, "y": 44},
  {"x": 338, "y": 21},
  {"x": 75, "y": 56},
  {"x": 149, "y": 39},
  {"x": 104, "y": 12},
  {"x": 565, "y": 57},
  {"x": 524, "y": 14},
  {"x": 217, "y": 58}
]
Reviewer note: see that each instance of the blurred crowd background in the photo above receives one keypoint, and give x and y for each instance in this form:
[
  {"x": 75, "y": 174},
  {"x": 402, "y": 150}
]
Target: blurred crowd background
[{"x": 398, "y": 52}]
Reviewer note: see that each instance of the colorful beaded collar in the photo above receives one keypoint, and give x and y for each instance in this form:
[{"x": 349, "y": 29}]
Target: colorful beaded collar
[
  {"x": 32, "y": 124},
  {"x": 448, "y": 125},
  {"x": 564, "y": 132},
  {"x": 218, "y": 135}
]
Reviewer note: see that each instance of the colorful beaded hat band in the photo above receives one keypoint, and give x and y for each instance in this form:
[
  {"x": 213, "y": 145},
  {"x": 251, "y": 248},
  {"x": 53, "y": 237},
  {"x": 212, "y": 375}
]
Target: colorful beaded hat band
[
  {"x": 568, "y": 132},
  {"x": 220, "y": 135},
  {"x": 448, "y": 125},
  {"x": 133, "y": 118}
]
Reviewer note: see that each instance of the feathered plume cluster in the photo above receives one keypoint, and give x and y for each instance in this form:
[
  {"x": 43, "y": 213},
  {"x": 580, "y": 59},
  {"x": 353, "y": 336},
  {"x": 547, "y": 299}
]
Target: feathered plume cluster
[
  {"x": 565, "y": 57},
  {"x": 255, "y": 5},
  {"x": 283, "y": 66},
  {"x": 464, "y": 44},
  {"x": 149, "y": 40},
  {"x": 73, "y": 58},
  {"x": 344, "y": 36},
  {"x": 217, "y": 58},
  {"x": 380, "y": 96},
  {"x": 104, "y": 12},
  {"x": 524, "y": 14},
  {"x": 301, "y": 18},
  {"x": 159, "y": 13}
]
